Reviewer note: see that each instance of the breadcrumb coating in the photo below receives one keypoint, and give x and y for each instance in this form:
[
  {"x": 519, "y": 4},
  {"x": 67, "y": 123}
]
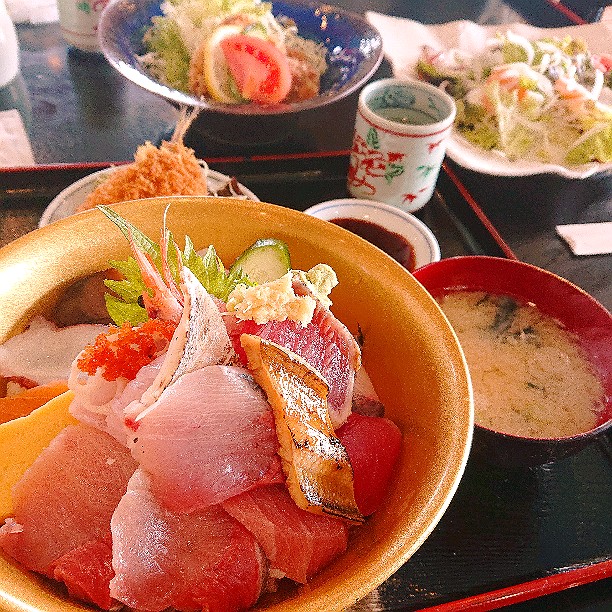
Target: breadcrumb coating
[{"x": 171, "y": 169}]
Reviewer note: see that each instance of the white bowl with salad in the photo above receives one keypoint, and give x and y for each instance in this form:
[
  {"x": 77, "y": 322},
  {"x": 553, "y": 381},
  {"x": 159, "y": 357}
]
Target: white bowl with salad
[{"x": 530, "y": 100}]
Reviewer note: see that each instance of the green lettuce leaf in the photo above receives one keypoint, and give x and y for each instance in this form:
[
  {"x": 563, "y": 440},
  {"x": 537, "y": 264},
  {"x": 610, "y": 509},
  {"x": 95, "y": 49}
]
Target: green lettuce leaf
[
  {"x": 598, "y": 147},
  {"x": 476, "y": 125},
  {"x": 164, "y": 40}
]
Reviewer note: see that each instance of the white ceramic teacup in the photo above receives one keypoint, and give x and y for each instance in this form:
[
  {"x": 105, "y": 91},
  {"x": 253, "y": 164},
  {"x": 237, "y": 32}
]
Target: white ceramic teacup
[
  {"x": 399, "y": 142},
  {"x": 79, "y": 22}
]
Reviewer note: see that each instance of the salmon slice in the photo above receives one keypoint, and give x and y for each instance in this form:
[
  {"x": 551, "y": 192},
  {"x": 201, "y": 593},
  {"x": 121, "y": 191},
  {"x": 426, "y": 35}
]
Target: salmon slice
[
  {"x": 319, "y": 473},
  {"x": 373, "y": 445},
  {"x": 66, "y": 498},
  {"x": 297, "y": 543},
  {"x": 204, "y": 560}
]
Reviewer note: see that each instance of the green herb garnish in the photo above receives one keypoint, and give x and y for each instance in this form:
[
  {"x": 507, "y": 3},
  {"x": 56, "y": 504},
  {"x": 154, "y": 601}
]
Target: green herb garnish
[{"x": 126, "y": 304}]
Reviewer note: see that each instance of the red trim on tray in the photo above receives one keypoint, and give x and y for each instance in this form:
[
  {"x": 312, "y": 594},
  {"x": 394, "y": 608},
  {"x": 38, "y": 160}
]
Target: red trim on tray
[
  {"x": 65, "y": 166},
  {"x": 508, "y": 252},
  {"x": 277, "y": 157},
  {"x": 577, "y": 19},
  {"x": 532, "y": 589}
]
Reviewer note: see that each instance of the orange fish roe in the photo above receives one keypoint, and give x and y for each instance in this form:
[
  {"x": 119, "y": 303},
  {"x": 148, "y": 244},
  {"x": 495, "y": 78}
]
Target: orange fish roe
[{"x": 122, "y": 351}]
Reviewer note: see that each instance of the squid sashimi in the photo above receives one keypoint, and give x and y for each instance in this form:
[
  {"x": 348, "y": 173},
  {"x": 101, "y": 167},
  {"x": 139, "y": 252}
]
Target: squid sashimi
[
  {"x": 66, "y": 497},
  {"x": 204, "y": 560},
  {"x": 325, "y": 343},
  {"x": 373, "y": 445},
  {"x": 209, "y": 437},
  {"x": 44, "y": 352},
  {"x": 86, "y": 571},
  {"x": 296, "y": 542}
]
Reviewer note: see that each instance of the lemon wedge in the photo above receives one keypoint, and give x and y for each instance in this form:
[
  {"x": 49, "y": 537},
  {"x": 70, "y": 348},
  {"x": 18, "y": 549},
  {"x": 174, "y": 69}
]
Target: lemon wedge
[
  {"x": 23, "y": 439},
  {"x": 219, "y": 81}
]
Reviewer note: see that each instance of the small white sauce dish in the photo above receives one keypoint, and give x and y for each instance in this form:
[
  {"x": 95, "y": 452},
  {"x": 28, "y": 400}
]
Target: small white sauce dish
[{"x": 414, "y": 231}]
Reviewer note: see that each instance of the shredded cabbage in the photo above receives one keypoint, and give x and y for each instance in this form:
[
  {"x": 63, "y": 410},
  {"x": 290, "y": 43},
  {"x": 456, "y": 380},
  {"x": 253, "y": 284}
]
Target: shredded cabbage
[
  {"x": 176, "y": 37},
  {"x": 534, "y": 100}
]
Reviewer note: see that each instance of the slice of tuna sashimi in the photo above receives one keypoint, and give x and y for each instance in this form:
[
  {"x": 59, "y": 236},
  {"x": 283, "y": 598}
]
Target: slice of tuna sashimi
[
  {"x": 204, "y": 560},
  {"x": 87, "y": 571},
  {"x": 325, "y": 343},
  {"x": 66, "y": 497},
  {"x": 373, "y": 445},
  {"x": 210, "y": 436},
  {"x": 297, "y": 543}
]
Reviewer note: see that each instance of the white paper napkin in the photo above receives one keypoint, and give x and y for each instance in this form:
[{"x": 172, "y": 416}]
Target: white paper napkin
[
  {"x": 15, "y": 148},
  {"x": 32, "y": 11},
  {"x": 587, "y": 238}
]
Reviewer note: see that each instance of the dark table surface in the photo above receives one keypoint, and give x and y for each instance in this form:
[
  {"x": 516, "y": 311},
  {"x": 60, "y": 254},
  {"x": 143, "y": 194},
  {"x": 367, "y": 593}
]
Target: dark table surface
[{"x": 82, "y": 111}]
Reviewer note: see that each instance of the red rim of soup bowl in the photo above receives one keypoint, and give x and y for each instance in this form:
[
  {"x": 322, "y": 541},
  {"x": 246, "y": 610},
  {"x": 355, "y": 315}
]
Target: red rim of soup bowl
[{"x": 578, "y": 311}]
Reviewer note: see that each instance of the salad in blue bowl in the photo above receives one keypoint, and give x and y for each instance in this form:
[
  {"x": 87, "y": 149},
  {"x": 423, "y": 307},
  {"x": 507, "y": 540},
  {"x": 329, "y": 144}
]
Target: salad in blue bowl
[{"x": 241, "y": 56}]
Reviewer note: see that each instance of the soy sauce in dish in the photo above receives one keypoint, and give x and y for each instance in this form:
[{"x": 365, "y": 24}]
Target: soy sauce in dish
[{"x": 393, "y": 244}]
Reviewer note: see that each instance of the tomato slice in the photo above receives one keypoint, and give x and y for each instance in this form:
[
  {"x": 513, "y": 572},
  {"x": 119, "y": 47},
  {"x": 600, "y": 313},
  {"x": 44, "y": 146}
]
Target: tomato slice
[{"x": 259, "y": 68}]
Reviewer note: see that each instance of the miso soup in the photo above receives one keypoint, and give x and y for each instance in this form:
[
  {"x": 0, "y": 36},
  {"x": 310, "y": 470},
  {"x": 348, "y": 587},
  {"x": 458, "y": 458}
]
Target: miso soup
[{"x": 529, "y": 374}]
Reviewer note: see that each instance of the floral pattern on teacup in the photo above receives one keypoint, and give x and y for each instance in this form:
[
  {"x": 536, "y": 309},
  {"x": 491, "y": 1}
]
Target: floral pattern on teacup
[{"x": 368, "y": 163}]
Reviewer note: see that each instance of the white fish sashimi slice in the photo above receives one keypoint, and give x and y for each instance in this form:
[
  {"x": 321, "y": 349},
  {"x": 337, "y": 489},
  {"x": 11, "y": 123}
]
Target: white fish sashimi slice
[
  {"x": 115, "y": 419},
  {"x": 44, "y": 353},
  {"x": 365, "y": 399},
  {"x": 211, "y": 436},
  {"x": 93, "y": 396},
  {"x": 203, "y": 560},
  {"x": 200, "y": 339}
]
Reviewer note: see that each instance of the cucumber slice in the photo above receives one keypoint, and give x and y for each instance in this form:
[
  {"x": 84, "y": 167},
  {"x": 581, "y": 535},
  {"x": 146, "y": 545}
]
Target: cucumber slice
[{"x": 265, "y": 260}]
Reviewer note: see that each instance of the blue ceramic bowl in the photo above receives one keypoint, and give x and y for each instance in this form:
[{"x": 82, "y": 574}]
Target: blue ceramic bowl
[{"x": 354, "y": 51}]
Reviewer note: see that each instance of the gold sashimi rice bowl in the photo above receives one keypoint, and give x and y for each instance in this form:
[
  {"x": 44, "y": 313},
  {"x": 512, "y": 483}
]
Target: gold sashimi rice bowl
[{"x": 410, "y": 352}]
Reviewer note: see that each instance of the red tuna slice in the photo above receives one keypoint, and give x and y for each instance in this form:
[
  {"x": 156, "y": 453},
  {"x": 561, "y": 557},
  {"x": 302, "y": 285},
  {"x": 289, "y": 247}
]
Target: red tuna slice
[
  {"x": 87, "y": 572},
  {"x": 325, "y": 343},
  {"x": 203, "y": 560},
  {"x": 66, "y": 497},
  {"x": 210, "y": 436},
  {"x": 296, "y": 542},
  {"x": 373, "y": 445}
]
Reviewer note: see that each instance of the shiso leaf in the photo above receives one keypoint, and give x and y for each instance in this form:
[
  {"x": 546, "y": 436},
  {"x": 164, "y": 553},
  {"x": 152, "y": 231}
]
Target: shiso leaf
[
  {"x": 209, "y": 270},
  {"x": 143, "y": 242},
  {"x": 216, "y": 280},
  {"x": 120, "y": 311}
]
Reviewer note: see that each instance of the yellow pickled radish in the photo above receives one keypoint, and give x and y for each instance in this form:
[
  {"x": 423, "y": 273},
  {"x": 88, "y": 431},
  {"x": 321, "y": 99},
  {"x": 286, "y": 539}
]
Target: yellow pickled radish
[{"x": 23, "y": 439}]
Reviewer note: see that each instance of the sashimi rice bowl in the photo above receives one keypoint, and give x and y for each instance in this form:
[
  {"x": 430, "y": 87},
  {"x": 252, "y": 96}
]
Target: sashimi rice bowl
[{"x": 274, "y": 416}]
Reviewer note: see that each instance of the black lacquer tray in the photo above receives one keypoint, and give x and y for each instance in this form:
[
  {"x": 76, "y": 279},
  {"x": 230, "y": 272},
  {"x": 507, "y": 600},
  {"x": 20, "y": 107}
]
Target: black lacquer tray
[{"x": 508, "y": 535}]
